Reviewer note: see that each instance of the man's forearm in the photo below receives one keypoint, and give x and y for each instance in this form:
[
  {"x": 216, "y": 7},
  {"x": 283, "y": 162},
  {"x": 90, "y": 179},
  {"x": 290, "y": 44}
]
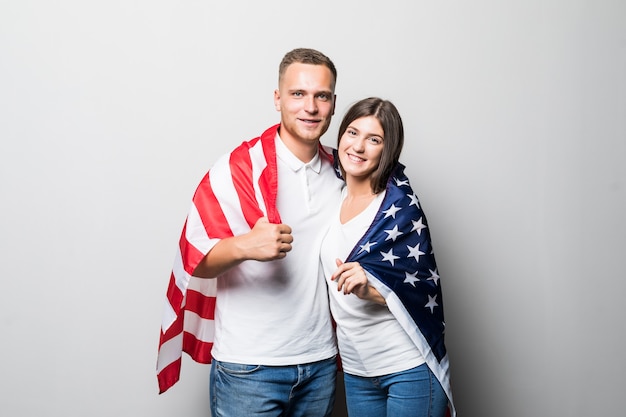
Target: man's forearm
[
  {"x": 223, "y": 256},
  {"x": 265, "y": 242}
]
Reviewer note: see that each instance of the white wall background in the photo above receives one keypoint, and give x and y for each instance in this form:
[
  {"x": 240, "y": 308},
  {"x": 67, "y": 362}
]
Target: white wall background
[{"x": 515, "y": 112}]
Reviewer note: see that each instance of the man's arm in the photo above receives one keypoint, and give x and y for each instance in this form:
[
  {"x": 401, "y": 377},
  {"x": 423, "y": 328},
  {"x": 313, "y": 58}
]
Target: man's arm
[{"x": 265, "y": 242}]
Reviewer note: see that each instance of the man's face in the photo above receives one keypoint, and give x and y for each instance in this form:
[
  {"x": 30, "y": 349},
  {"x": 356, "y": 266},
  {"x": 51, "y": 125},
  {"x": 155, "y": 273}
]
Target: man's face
[{"x": 306, "y": 100}]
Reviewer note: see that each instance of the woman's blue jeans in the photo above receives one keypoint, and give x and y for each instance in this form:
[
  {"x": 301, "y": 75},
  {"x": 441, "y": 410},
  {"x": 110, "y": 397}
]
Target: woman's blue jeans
[
  {"x": 306, "y": 390},
  {"x": 415, "y": 393}
]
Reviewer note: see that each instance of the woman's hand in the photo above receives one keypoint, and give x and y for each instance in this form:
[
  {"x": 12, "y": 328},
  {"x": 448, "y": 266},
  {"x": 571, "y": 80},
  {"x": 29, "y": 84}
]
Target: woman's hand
[{"x": 351, "y": 278}]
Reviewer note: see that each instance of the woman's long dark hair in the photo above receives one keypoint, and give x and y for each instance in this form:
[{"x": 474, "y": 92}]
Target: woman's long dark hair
[{"x": 391, "y": 122}]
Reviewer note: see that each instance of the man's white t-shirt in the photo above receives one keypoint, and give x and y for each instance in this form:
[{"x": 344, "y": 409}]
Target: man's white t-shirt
[{"x": 277, "y": 313}]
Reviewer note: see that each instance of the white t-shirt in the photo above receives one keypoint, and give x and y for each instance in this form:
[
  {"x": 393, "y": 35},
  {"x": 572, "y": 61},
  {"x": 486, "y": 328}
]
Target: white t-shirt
[
  {"x": 277, "y": 313},
  {"x": 371, "y": 341}
]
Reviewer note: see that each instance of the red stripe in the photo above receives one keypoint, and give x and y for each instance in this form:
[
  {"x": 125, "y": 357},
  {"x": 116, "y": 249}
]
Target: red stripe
[
  {"x": 200, "y": 351},
  {"x": 268, "y": 181},
  {"x": 174, "y": 330},
  {"x": 190, "y": 255},
  {"x": 174, "y": 294},
  {"x": 202, "y": 305},
  {"x": 210, "y": 211},
  {"x": 241, "y": 172},
  {"x": 216, "y": 226},
  {"x": 169, "y": 375},
  {"x": 328, "y": 155}
]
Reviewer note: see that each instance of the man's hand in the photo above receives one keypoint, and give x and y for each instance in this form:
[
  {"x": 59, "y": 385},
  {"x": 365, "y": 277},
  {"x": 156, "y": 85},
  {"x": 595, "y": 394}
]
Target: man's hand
[{"x": 264, "y": 242}]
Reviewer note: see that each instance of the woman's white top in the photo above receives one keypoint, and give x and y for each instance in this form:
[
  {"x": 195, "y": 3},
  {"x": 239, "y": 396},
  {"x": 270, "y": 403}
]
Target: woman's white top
[{"x": 371, "y": 341}]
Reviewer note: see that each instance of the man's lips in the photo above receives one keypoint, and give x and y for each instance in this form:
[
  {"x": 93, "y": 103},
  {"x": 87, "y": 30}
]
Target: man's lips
[{"x": 310, "y": 121}]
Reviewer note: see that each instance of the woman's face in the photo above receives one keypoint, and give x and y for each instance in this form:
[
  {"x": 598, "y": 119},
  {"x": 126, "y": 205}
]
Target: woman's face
[{"x": 361, "y": 146}]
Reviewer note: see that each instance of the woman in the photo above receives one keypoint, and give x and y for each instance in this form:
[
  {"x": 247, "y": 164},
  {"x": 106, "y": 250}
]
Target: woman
[{"x": 385, "y": 296}]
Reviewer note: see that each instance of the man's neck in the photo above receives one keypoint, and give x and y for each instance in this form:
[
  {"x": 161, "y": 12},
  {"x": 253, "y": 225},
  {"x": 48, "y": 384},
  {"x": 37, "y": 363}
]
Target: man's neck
[{"x": 303, "y": 151}]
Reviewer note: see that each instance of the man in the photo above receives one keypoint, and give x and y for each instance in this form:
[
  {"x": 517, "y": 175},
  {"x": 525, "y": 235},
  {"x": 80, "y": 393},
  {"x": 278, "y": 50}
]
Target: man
[{"x": 254, "y": 231}]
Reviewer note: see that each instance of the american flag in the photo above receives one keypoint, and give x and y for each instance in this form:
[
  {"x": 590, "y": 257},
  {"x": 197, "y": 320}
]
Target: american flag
[
  {"x": 239, "y": 189},
  {"x": 397, "y": 252}
]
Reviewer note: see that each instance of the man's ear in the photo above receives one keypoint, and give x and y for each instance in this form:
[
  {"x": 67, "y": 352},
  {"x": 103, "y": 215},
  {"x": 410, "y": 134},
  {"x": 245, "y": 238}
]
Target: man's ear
[{"x": 277, "y": 99}]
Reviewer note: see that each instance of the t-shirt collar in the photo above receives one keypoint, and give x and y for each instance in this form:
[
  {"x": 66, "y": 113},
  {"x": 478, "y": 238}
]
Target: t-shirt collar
[{"x": 292, "y": 161}]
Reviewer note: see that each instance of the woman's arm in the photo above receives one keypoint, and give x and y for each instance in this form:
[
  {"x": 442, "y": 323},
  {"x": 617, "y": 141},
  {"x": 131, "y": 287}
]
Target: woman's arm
[{"x": 351, "y": 278}]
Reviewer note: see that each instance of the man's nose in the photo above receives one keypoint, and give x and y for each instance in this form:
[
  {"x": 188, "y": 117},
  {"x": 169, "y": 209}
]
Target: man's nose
[{"x": 310, "y": 105}]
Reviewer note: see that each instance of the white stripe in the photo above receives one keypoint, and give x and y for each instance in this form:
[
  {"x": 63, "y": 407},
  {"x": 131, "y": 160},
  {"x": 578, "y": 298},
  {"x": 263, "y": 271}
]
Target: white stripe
[
  {"x": 181, "y": 277},
  {"x": 202, "y": 329},
  {"x": 224, "y": 191},
  {"x": 169, "y": 316},
  {"x": 439, "y": 369},
  {"x": 205, "y": 286},
  {"x": 170, "y": 352},
  {"x": 258, "y": 165},
  {"x": 196, "y": 232}
]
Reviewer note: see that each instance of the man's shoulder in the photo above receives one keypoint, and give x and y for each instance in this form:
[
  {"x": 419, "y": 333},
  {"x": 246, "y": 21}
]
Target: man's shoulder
[{"x": 267, "y": 136}]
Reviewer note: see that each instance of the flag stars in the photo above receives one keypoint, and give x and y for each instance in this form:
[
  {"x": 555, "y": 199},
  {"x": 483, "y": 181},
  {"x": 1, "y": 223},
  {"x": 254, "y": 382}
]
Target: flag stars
[
  {"x": 366, "y": 247},
  {"x": 389, "y": 256},
  {"x": 418, "y": 226},
  {"x": 393, "y": 233},
  {"x": 432, "y": 303},
  {"x": 400, "y": 182},
  {"x": 411, "y": 278},
  {"x": 391, "y": 211},
  {"x": 415, "y": 252},
  {"x": 433, "y": 276},
  {"x": 414, "y": 201}
]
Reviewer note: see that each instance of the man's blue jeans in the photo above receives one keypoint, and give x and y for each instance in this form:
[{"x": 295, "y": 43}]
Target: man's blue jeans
[
  {"x": 306, "y": 390},
  {"x": 414, "y": 392}
]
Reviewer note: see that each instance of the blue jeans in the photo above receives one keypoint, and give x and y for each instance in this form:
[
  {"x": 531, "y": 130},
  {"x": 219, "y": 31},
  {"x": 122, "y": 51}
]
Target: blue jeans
[
  {"x": 306, "y": 390},
  {"x": 415, "y": 393}
]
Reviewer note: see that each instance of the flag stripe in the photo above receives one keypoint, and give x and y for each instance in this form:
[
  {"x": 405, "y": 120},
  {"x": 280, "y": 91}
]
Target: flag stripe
[
  {"x": 227, "y": 202},
  {"x": 213, "y": 221},
  {"x": 201, "y": 328},
  {"x": 201, "y": 304},
  {"x": 241, "y": 173},
  {"x": 174, "y": 301},
  {"x": 219, "y": 209},
  {"x": 199, "y": 350},
  {"x": 169, "y": 352},
  {"x": 169, "y": 375}
]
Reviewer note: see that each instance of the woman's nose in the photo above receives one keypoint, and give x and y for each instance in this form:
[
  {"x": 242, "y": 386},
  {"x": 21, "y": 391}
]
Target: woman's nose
[{"x": 358, "y": 145}]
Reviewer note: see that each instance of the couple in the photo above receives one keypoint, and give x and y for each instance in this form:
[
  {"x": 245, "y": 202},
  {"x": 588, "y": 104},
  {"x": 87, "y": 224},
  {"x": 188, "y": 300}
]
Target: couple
[{"x": 277, "y": 230}]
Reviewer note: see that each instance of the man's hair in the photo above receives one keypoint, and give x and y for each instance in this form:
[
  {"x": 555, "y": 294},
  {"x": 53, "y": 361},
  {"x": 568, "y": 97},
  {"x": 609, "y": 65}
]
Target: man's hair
[
  {"x": 391, "y": 122},
  {"x": 306, "y": 56}
]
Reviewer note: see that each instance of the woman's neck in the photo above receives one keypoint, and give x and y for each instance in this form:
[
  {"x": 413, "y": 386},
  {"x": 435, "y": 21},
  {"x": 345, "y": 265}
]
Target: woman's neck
[
  {"x": 359, "y": 195},
  {"x": 359, "y": 189}
]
